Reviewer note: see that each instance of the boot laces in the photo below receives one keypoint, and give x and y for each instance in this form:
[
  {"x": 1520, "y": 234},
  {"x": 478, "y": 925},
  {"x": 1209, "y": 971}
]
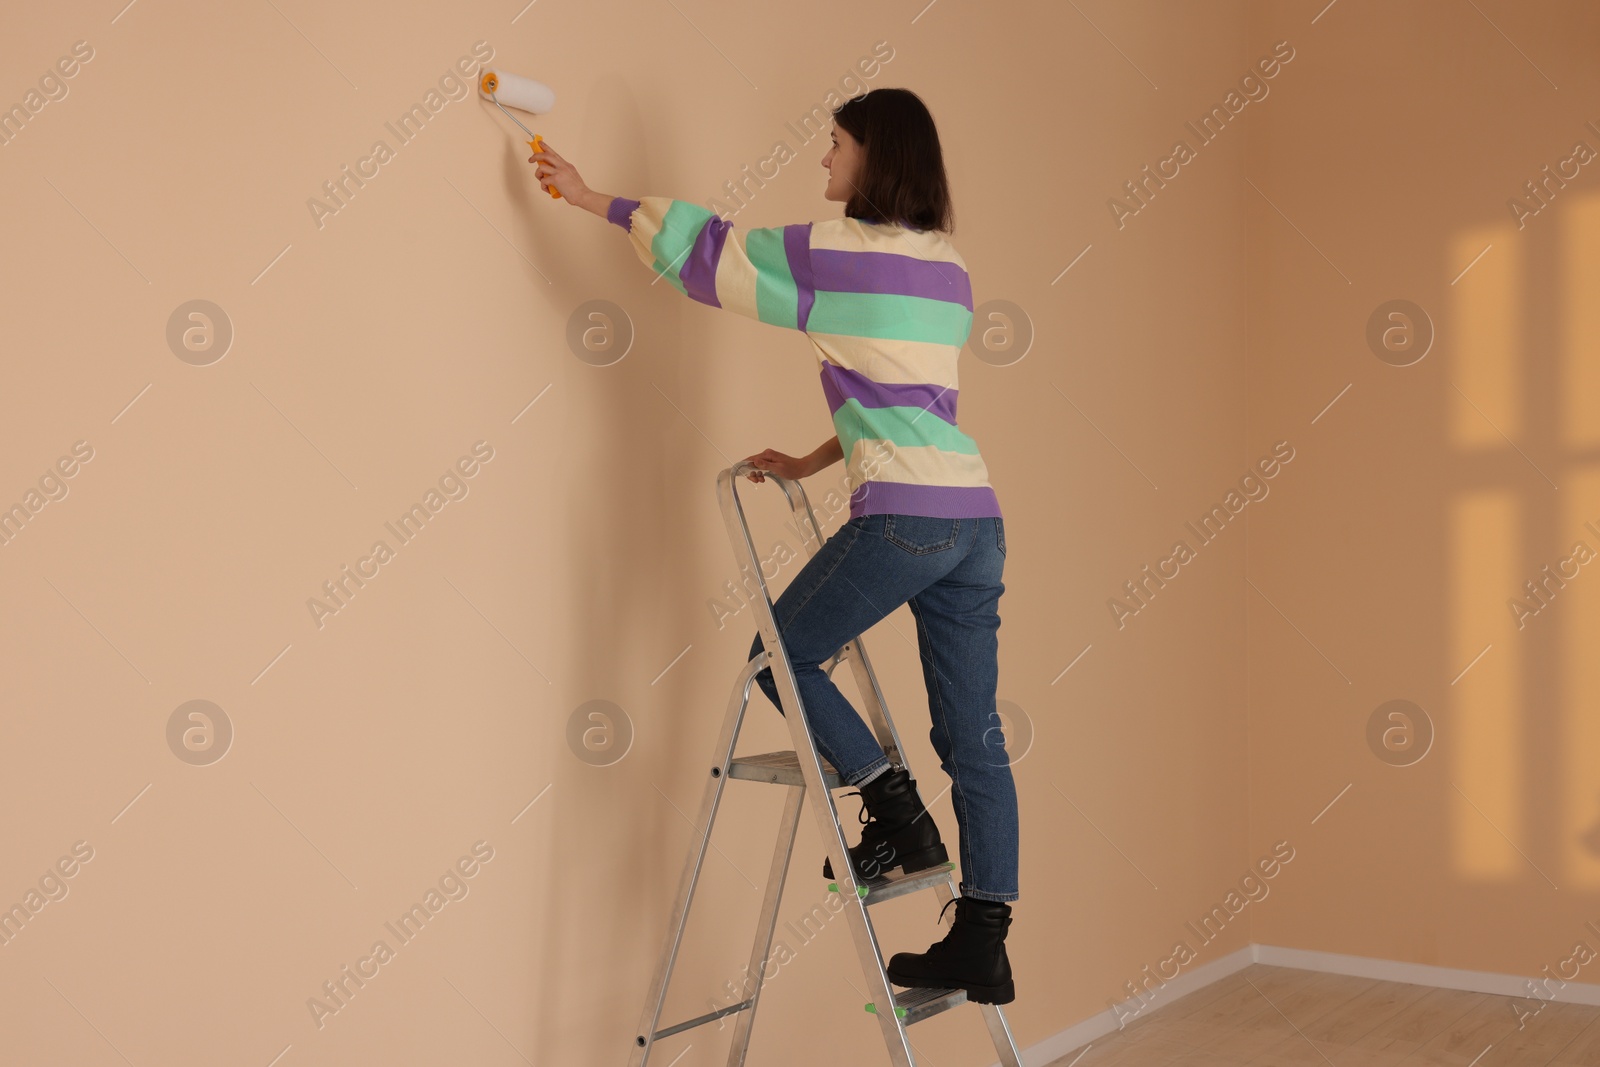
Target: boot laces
[
  {"x": 862, "y": 816},
  {"x": 938, "y": 949}
]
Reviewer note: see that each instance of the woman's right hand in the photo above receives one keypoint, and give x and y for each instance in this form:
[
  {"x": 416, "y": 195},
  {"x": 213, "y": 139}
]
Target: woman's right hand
[{"x": 784, "y": 466}]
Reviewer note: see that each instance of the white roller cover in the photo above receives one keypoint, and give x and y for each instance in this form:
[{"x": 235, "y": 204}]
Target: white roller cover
[{"x": 524, "y": 94}]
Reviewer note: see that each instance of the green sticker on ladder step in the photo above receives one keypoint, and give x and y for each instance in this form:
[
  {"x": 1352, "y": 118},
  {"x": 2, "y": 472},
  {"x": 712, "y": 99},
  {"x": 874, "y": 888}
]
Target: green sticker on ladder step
[
  {"x": 872, "y": 1009},
  {"x": 861, "y": 890}
]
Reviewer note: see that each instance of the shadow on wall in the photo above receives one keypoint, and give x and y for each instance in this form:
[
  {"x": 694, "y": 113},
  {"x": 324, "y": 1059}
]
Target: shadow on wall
[{"x": 618, "y": 542}]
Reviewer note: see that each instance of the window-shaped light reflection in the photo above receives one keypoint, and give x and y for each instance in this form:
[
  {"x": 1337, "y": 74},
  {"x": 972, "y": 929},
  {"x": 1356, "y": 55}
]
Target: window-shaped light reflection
[
  {"x": 1580, "y": 327},
  {"x": 1579, "y": 614},
  {"x": 1484, "y": 729},
  {"x": 1576, "y": 613},
  {"x": 1486, "y": 343}
]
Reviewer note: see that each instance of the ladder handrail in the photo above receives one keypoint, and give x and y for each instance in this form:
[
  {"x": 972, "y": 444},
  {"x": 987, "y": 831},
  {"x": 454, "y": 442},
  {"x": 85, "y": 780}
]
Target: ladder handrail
[{"x": 800, "y": 504}]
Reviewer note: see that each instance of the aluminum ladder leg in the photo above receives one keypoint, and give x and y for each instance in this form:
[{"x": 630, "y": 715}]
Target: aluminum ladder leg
[{"x": 806, "y": 774}]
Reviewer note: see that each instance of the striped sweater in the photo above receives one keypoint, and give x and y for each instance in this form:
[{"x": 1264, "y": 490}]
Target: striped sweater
[{"x": 887, "y": 309}]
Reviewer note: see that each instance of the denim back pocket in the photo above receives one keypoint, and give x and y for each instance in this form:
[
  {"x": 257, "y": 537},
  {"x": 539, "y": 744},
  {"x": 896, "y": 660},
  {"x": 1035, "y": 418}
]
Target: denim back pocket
[
  {"x": 921, "y": 534},
  {"x": 1000, "y": 534}
]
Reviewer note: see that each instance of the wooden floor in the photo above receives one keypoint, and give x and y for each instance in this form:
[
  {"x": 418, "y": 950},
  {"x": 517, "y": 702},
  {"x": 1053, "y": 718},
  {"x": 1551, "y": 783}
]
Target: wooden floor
[{"x": 1283, "y": 1017}]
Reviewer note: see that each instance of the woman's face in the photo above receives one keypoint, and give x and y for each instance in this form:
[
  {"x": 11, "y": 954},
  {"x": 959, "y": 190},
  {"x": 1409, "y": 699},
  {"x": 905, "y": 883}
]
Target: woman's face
[{"x": 843, "y": 163}]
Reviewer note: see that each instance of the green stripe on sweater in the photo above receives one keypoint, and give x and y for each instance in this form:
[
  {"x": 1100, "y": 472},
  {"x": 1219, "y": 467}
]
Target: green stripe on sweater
[
  {"x": 890, "y": 316},
  {"x": 671, "y": 244},
  {"x": 777, "y": 299},
  {"x": 907, "y": 426}
]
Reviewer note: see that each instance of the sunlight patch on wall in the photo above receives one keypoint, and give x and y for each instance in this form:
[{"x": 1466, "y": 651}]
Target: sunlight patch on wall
[
  {"x": 1579, "y": 714},
  {"x": 1487, "y": 338},
  {"x": 1580, "y": 428},
  {"x": 1580, "y": 341},
  {"x": 1484, "y": 728}
]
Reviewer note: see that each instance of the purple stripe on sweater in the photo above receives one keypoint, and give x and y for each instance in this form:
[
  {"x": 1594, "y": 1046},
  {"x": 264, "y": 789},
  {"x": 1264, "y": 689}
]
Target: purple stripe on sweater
[
  {"x": 699, "y": 271},
  {"x": 838, "y": 271},
  {"x": 797, "y": 246},
  {"x": 621, "y": 212},
  {"x": 841, "y": 383},
  {"x": 939, "y": 501}
]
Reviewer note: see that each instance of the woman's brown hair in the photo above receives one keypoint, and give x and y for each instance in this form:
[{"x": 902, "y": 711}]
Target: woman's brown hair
[{"x": 902, "y": 177}]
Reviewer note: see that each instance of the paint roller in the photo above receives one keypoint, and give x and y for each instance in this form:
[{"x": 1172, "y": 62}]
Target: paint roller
[{"x": 524, "y": 94}]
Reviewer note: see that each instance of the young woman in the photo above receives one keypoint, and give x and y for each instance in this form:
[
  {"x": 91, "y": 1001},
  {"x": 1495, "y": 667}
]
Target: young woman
[{"x": 886, "y": 303}]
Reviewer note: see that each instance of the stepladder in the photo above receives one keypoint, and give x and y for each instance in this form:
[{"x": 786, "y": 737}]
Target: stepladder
[{"x": 809, "y": 781}]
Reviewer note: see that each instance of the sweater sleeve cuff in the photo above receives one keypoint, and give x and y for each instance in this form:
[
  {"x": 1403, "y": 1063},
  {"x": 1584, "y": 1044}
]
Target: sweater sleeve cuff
[{"x": 621, "y": 212}]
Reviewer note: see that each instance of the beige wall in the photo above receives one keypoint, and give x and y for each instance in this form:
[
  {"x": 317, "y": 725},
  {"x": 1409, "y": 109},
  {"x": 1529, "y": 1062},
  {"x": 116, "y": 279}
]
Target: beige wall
[
  {"x": 373, "y": 750},
  {"x": 1428, "y": 495}
]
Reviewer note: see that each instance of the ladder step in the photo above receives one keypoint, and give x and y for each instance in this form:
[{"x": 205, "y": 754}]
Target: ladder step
[
  {"x": 915, "y": 1005},
  {"x": 898, "y": 883},
  {"x": 779, "y": 768},
  {"x": 699, "y": 1020}
]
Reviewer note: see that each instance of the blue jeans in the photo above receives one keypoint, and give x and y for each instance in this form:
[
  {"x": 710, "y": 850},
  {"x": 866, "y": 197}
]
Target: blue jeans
[{"x": 949, "y": 571}]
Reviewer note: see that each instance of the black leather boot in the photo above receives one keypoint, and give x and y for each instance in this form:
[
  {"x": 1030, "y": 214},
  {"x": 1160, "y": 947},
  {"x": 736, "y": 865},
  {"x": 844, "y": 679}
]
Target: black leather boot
[
  {"x": 972, "y": 955},
  {"x": 899, "y": 832}
]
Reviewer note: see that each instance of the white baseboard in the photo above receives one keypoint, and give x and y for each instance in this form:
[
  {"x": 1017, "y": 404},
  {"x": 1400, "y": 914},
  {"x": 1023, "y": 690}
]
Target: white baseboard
[
  {"x": 1104, "y": 1022},
  {"x": 1505, "y": 985}
]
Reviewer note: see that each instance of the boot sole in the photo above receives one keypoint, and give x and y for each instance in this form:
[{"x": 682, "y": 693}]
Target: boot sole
[
  {"x": 922, "y": 859},
  {"x": 910, "y": 862},
  {"x": 978, "y": 994}
]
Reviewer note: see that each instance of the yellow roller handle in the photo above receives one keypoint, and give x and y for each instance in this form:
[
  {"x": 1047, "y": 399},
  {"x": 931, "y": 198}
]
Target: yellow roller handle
[{"x": 537, "y": 144}]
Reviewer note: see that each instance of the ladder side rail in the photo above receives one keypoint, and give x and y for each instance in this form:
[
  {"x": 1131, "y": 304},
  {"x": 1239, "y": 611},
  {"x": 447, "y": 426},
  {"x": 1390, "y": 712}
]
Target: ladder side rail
[
  {"x": 806, "y": 755},
  {"x": 889, "y": 737},
  {"x": 872, "y": 696},
  {"x": 1000, "y": 1033},
  {"x": 795, "y": 494},
  {"x": 776, "y": 656},
  {"x": 993, "y": 1017},
  {"x": 761, "y": 950},
  {"x": 855, "y": 650},
  {"x": 738, "y": 700},
  {"x": 800, "y": 504}
]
